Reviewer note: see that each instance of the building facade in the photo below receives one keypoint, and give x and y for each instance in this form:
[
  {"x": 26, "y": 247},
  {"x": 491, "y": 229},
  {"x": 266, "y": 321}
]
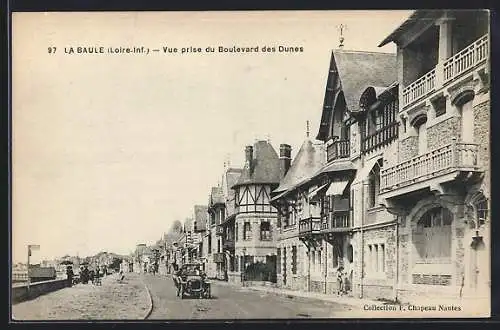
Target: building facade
[
  {"x": 291, "y": 201},
  {"x": 400, "y": 210},
  {"x": 255, "y": 220},
  {"x": 439, "y": 183},
  {"x": 227, "y": 225}
]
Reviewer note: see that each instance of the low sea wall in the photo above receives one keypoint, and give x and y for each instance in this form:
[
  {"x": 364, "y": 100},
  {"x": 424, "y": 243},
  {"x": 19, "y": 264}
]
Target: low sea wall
[{"x": 21, "y": 292}]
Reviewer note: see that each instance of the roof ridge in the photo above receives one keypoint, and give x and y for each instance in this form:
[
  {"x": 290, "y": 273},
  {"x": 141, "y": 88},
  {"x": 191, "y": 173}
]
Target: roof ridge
[{"x": 362, "y": 52}]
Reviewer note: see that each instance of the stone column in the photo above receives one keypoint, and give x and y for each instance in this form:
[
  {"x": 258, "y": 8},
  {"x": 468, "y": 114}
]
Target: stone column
[{"x": 445, "y": 46}]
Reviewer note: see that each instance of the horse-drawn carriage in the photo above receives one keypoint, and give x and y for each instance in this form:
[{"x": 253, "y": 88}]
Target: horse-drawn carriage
[{"x": 191, "y": 281}]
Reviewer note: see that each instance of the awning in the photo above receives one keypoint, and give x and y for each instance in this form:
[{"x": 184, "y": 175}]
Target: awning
[
  {"x": 337, "y": 188},
  {"x": 363, "y": 173},
  {"x": 275, "y": 198},
  {"x": 315, "y": 191},
  {"x": 337, "y": 167}
]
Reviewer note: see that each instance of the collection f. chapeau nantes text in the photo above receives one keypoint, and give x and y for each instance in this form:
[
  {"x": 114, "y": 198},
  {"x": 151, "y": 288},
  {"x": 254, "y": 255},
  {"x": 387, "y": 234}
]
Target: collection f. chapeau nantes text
[{"x": 98, "y": 50}]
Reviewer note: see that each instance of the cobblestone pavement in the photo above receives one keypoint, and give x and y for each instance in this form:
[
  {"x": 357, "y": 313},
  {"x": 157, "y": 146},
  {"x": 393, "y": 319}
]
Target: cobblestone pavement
[
  {"x": 230, "y": 302},
  {"x": 113, "y": 300}
]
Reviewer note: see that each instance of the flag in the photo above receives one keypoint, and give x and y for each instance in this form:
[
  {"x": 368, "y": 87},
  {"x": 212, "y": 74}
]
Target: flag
[{"x": 33, "y": 248}]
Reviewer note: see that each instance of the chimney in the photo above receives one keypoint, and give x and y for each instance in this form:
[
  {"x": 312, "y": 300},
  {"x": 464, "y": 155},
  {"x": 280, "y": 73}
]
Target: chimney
[
  {"x": 249, "y": 157},
  {"x": 285, "y": 158}
]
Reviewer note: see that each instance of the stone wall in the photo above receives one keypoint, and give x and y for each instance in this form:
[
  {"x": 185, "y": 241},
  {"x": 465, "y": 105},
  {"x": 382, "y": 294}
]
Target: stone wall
[
  {"x": 21, "y": 293},
  {"x": 442, "y": 133},
  {"x": 482, "y": 138},
  {"x": 408, "y": 148}
]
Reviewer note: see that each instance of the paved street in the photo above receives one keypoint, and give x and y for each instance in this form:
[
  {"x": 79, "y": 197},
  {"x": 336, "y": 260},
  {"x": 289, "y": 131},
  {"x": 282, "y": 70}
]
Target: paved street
[{"x": 229, "y": 302}]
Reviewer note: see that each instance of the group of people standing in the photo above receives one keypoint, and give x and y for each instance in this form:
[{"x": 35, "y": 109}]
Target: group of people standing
[{"x": 86, "y": 275}]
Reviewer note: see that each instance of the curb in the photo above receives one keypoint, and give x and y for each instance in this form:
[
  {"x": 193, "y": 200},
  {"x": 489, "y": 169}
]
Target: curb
[{"x": 150, "y": 310}]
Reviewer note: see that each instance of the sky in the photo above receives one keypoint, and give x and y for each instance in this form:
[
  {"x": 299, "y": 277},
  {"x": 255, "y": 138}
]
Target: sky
[{"x": 108, "y": 150}]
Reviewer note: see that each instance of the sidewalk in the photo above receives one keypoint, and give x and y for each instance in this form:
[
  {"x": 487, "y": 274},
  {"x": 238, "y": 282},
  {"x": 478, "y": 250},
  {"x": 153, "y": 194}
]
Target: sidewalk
[
  {"x": 113, "y": 300},
  {"x": 356, "y": 302}
]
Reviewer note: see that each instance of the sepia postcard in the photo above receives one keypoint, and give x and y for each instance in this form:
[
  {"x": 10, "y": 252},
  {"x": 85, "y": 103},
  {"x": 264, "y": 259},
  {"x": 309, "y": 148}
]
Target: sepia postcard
[{"x": 250, "y": 165}]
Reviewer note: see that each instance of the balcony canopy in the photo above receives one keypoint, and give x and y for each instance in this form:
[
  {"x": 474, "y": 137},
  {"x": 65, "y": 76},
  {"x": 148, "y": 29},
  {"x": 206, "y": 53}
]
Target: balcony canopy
[
  {"x": 363, "y": 173},
  {"x": 314, "y": 192},
  {"x": 337, "y": 188}
]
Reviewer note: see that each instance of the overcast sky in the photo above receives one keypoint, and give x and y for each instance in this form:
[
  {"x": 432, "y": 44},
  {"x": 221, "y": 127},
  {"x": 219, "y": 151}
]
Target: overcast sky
[{"x": 109, "y": 150}]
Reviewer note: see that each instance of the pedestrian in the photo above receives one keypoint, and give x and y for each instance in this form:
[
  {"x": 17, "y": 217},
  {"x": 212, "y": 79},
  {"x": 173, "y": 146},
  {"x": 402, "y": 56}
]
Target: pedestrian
[
  {"x": 340, "y": 280},
  {"x": 69, "y": 274}
]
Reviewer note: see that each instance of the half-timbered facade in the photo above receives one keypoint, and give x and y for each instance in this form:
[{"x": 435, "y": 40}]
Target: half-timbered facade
[
  {"x": 438, "y": 184},
  {"x": 255, "y": 217}
]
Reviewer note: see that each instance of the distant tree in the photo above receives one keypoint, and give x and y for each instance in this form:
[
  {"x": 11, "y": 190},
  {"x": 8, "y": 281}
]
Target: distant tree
[{"x": 115, "y": 264}]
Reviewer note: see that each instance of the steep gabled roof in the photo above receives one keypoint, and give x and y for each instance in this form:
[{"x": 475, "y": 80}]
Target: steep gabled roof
[
  {"x": 216, "y": 196},
  {"x": 309, "y": 159},
  {"x": 417, "y": 17},
  {"x": 230, "y": 178},
  {"x": 265, "y": 167},
  {"x": 200, "y": 217},
  {"x": 350, "y": 72}
]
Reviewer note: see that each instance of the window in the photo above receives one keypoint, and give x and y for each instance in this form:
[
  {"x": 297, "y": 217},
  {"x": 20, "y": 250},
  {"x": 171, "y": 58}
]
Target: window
[
  {"x": 278, "y": 261},
  {"x": 335, "y": 257},
  {"x": 374, "y": 186},
  {"x": 265, "y": 231},
  {"x": 231, "y": 263},
  {"x": 247, "y": 231},
  {"x": 294, "y": 259},
  {"x": 481, "y": 211},
  {"x": 209, "y": 243},
  {"x": 350, "y": 253},
  {"x": 432, "y": 237},
  {"x": 382, "y": 258},
  {"x": 439, "y": 106},
  {"x": 218, "y": 245},
  {"x": 467, "y": 122},
  {"x": 236, "y": 232},
  {"x": 420, "y": 125},
  {"x": 370, "y": 267}
]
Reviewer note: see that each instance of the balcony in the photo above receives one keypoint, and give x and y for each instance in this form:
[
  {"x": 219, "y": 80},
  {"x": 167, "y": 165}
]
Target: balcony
[
  {"x": 337, "y": 221},
  {"x": 228, "y": 244},
  {"x": 309, "y": 226},
  {"x": 338, "y": 149},
  {"x": 381, "y": 137},
  {"x": 219, "y": 231},
  {"x": 465, "y": 60},
  {"x": 444, "y": 163}
]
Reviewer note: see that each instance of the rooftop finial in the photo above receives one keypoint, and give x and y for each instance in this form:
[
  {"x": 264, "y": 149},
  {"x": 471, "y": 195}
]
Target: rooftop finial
[
  {"x": 307, "y": 128},
  {"x": 341, "y": 39}
]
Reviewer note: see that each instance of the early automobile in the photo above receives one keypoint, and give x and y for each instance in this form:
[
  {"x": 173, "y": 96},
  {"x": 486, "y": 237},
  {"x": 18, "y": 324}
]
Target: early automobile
[{"x": 192, "y": 282}]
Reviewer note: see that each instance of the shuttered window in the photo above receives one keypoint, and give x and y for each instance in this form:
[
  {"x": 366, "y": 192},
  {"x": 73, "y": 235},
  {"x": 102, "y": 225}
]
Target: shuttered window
[{"x": 432, "y": 238}]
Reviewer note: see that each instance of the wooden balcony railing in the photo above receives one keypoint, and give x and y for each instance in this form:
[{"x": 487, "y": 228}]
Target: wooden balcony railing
[
  {"x": 444, "y": 160},
  {"x": 381, "y": 137},
  {"x": 309, "y": 225},
  {"x": 466, "y": 59},
  {"x": 469, "y": 57},
  {"x": 335, "y": 221},
  {"x": 338, "y": 149}
]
